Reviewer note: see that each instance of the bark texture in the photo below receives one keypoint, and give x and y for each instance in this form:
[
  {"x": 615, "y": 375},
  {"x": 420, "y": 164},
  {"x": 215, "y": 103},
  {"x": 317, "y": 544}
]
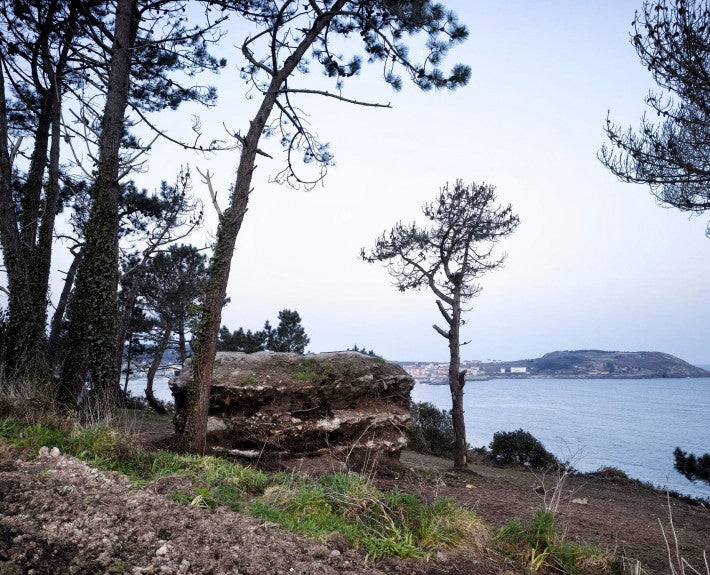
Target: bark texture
[{"x": 92, "y": 311}]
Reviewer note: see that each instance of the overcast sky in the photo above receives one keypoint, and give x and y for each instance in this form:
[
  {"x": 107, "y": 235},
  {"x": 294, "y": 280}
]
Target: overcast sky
[{"x": 594, "y": 264}]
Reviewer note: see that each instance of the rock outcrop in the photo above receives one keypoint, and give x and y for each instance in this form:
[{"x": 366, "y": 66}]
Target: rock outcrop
[{"x": 292, "y": 405}]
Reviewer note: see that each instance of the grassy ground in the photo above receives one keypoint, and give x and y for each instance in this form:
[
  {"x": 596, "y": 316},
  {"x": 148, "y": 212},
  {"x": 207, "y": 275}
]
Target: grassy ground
[{"x": 381, "y": 522}]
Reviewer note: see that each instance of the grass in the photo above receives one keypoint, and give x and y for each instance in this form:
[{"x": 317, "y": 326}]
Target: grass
[
  {"x": 540, "y": 546},
  {"x": 381, "y": 523},
  {"x": 310, "y": 370},
  {"x": 249, "y": 379}
]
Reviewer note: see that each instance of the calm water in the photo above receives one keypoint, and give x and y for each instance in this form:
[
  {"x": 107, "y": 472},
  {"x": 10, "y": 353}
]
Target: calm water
[{"x": 630, "y": 424}]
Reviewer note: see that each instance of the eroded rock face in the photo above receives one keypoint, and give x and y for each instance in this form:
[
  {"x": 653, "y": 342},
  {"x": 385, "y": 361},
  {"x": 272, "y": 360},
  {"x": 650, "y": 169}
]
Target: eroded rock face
[{"x": 287, "y": 404}]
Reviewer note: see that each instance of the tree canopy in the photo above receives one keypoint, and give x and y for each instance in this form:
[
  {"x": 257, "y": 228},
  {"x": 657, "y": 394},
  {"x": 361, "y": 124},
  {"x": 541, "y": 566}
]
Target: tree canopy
[
  {"x": 290, "y": 37},
  {"x": 671, "y": 154},
  {"x": 289, "y": 336}
]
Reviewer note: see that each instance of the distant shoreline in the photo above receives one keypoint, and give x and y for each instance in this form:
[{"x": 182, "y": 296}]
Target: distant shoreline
[{"x": 512, "y": 377}]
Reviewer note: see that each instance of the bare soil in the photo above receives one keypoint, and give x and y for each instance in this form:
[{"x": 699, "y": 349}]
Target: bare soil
[
  {"x": 57, "y": 515},
  {"x": 619, "y": 515}
]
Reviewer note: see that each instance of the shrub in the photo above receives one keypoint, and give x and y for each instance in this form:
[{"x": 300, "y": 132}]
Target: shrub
[
  {"x": 431, "y": 430},
  {"x": 521, "y": 447},
  {"x": 611, "y": 472},
  {"x": 692, "y": 466}
]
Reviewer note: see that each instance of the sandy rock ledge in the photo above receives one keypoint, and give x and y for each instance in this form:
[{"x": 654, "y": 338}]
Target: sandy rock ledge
[{"x": 292, "y": 405}]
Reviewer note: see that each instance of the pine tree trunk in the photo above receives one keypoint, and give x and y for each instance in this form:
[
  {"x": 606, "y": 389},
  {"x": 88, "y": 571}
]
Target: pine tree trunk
[
  {"x": 456, "y": 385},
  {"x": 24, "y": 356},
  {"x": 153, "y": 369},
  {"x": 27, "y": 237},
  {"x": 205, "y": 337},
  {"x": 182, "y": 343},
  {"x": 57, "y": 319},
  {"x": 92, "y": 310}
]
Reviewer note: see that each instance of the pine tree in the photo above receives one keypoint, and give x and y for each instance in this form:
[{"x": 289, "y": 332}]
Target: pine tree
[
  {"x": 448, "y": 257},
  {"x": 672, "y": 40},
  {"x": 291, "y": 36},
  {"x": 290, "y": 335}
]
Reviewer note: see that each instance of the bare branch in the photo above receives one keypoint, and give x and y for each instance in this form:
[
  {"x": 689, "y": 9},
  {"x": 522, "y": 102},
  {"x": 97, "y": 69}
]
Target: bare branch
[
  {"x": 441, "y": 332},
  {"x": 336, "y": 96},
  {"x": 443, "y": 311},
  {"x": 207, "y": 179}
]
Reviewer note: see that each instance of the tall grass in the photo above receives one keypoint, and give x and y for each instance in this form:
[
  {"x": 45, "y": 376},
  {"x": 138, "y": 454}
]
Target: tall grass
[{"x": 540, "y": 546}]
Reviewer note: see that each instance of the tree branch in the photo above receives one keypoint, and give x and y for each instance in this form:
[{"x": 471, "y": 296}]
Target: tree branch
[
  {"x": 441, "y": 332},
  {"x": 336, "y": 96},
  {"x": 207, "y": 179}
]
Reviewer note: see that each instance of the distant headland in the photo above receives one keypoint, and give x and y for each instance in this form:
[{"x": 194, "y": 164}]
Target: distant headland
[{"x": 574, "y": 364}]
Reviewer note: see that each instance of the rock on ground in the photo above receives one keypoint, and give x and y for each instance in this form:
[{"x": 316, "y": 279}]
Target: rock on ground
[{"x": 292, "y": 405}]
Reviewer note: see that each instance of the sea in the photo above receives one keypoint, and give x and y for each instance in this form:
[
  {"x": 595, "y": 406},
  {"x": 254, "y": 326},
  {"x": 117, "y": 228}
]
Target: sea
[{"x": 631, "y": 424}]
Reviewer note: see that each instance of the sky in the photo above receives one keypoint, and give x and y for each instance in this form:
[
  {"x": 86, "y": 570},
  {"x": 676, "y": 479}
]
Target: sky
[{"x": 595, "y": 262}]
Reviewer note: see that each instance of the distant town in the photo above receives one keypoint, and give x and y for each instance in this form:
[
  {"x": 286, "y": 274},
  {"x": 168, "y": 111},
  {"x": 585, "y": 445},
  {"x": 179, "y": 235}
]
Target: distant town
[
  {"x": 577, "y": 364},
  {"x": 438, "y": 373}
]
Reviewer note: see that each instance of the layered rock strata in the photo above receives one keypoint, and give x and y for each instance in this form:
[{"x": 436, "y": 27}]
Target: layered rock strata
[{"x": 292, "y": 405}]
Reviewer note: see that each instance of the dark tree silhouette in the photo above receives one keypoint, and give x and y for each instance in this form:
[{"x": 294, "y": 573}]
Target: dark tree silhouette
[
  {"x": 672, "y": 39},
  {"x": 691, "y": 466},
  {"x": 289, "y": 37},
  {"x": 289, "y": 336},
  {"x": 137, "y": 58},
  {"x": 169, "y": 287},
  {"x": 448, "y": 257},
  {"x": 35, "y": 69},
  {"x": 244, "y": 341}
]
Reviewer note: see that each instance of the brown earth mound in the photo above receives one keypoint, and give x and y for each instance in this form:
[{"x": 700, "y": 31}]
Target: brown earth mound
[
  {"x": 292, "y": 405},
  {"x": 59, "y": 516}
]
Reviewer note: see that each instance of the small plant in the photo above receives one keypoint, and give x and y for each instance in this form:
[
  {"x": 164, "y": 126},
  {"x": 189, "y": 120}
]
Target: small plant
[
  {"x": 521, "y": 447},
  {"x": 431, "y": 430},
  {"x": 540, "y": 546},
  {"x": 365, "y": 351},
  {"x": 311, "y": 370},
  {"x": 249, "y": 379}
]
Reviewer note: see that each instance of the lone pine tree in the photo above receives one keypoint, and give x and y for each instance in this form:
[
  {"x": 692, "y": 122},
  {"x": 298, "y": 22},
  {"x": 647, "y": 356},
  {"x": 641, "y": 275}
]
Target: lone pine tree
[{"x": 448, "y": 257}]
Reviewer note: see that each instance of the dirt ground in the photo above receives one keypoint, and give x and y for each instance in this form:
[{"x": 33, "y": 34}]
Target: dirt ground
[
  {"x": 57, "y": 515},
  {"x": 620, "y": 515}
]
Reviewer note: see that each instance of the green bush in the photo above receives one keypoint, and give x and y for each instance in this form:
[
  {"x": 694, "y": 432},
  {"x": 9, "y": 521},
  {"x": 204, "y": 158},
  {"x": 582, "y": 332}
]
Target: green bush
[
  {"x": 431, "y": 430},
  {"x": 611, "y": 472},
  {"x": 521, "y": 447}
]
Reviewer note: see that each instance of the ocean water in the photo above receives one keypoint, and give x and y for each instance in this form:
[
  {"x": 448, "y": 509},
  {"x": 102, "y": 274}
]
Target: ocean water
[{"x": 631, "y": 424}]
